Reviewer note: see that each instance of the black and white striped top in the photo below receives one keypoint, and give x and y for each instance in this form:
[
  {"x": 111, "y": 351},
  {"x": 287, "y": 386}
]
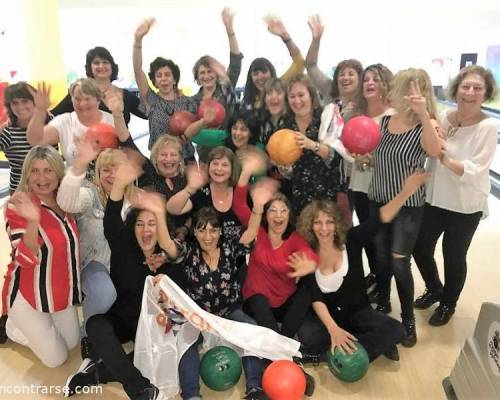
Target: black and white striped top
[
  {"x": 15, "y": 145},
  {"x": 396, "y": 157}
]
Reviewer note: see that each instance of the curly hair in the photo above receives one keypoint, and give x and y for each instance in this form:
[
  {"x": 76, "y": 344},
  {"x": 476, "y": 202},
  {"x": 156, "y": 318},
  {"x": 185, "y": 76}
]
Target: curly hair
[
  {"x": 249, "y": 120},
  {"x": 311, "y": 212},
  {"x": 351, "y": 63},
  {"x": 384, "y": 76},
  {"x": 160, "y": 62}
]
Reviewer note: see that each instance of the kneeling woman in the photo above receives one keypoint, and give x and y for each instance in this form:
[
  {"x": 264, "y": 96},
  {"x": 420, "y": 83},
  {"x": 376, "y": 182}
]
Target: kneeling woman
[
  {"x": 338, "y": 288},
  {"x": 211, "y": 269},
  {"x": 42, "y": 281},
  {"x": 137, "y": 246}
]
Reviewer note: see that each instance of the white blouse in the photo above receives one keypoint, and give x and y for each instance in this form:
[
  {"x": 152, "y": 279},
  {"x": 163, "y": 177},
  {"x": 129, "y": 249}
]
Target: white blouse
[{"x": 475, "y": 147}]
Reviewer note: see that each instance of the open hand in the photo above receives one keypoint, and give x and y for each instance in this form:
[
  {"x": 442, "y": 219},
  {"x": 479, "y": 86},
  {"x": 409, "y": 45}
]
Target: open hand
[
  {"x": 143, "y": 29},
  {"x": 317, "y": 28},
  {"x": 41, "y": 97},
  {"x": 301, "y": 264},
  {"x": 343, "y": 340},
  {"x": 24, "y": 206}
]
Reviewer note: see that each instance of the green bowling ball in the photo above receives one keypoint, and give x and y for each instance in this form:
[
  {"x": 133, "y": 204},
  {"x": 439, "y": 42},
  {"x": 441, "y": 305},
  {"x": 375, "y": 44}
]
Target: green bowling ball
[
  {"x": 348, "y": 367},
  {"x": 220, "y": 368}
]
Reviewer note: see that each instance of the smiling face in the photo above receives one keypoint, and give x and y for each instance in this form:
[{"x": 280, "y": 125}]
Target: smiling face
[
  {"x": 83, "y": 103},
  {"x": 101, "y": 68},
  {"x": 23, "y": 109},
  {"x": 323, "y": 227},
  {"x": 164, "y": 80},
  {"x": 220, "y": 170},
  {"x": 208, "y": 237},
  {"x": 168, "y": 161},
  {"x": 372, "y": 86},
  {"x": 240, "y": 134},
  {"x": 260, "y": 77},
  {"x": 206, "y": 77},
  {"x": 107, "y": 177},
  {"x": 42, "y": 180},
  {"x": 471, "y": 91},
  {"x": 278, "y": 216},
  {"x": 145, "y": 232},
  {"x": 275, "y": 102},
  {"x": 299, "y": 99},
  {"x": 347, "y": 81}
]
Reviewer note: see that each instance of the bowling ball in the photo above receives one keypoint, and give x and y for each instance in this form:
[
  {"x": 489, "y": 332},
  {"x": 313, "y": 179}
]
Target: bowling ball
[
  {"x": 103, "y": 135},
  {"x": 179, "y": 121},
  {"x": 220, "y": 368},
  {"x": 348, "y": 367},
  {"x": 360, "y": 135},
  {"x": 220, "y": 113},
  {"x": 284, "y": 380},
  {"x": 282, "y": 147}
]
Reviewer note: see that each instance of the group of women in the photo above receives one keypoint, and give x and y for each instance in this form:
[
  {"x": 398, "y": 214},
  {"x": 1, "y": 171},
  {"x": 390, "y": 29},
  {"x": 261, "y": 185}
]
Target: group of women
[{"x": 95, "y": 230}]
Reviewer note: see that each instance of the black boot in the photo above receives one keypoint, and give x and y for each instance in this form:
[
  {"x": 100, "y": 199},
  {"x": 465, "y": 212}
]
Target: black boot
[
  {"x": 441, "y": 315},
  {"x": 427, "y": 299},
  {"x": 392, "y": 353},
  {"x": 3, "y": 333},
  {"x": 411, "y": 332},
  {"x": 310, "y": 383}
]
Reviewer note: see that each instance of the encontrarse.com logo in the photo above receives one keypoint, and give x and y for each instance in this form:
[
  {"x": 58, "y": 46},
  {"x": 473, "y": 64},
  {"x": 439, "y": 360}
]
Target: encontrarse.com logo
[{"x": 46, "y": 390}]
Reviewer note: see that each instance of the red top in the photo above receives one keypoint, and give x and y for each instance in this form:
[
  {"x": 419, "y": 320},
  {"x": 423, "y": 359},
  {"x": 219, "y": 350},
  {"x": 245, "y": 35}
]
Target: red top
[
  {"x": 267, "y": 267},
  {"x": 49, "y": 280}
]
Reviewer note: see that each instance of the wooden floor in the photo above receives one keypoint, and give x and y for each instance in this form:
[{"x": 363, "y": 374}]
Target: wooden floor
[{"x": 417, "y": 376}]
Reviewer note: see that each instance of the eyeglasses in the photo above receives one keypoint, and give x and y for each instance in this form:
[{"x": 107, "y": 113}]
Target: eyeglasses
[{"x": 283, "y": 211}]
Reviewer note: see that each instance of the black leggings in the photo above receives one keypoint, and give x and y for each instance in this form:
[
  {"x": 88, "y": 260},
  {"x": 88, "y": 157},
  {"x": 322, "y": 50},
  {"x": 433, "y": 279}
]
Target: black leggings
[
  {"x": 361, "y": 204},
  {"x": 458, "y": 230},
  {"x": 291, "y": 314}
]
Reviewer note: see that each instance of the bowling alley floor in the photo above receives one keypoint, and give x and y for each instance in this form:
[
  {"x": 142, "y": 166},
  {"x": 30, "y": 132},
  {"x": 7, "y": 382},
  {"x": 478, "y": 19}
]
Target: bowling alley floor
[{"x": 418, "y": 375}]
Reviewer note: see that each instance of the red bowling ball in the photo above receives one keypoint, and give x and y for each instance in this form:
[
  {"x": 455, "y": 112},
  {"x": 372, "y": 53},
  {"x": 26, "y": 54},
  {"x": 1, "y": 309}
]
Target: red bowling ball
[
  {"x": 361, "y": 135},
  {"x": 220, "y": 113},
  {"x": 284, "y": 380},
  {"x": 179, "y": 121},
  {"x": 103, "y": 135}
]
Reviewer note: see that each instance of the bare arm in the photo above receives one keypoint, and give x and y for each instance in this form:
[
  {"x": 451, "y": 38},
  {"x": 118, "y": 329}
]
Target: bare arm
[
  {"x": 319, "y": 79},
  {"x": 37, "y": 132},
  {"x": 180, "y": 202},
  {"x": 114, "y": 102},
  {"x": 140, "y": 76}
]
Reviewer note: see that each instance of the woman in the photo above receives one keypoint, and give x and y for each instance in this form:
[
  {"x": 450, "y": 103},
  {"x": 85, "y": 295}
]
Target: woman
[
  {"x": 212, "y": 77},
  {"x": 372, "y": 101},
  {"x": 100, "y": 66},
  {"x": 243, "y": 130},
  {"x": 164, "y": 74},
  {"x": 275, "y": 108},
  {"x": 42, "y": 284},
  {"x": 408, "y": 137},
  {"x": 88, "y": 202},
  {"x": 457, "y": 192},
  {"x": 136, "y": 245},
  {"x": 211, "y": 267},
  {"x": 63, "y": 129},
  {"x": 261, "y": 69},
  {"x": 343, "y": 313},
  {"x": 316, "y": 174},
  {"x": 20, "y": 107},
  {"x": 346, "y": 77},
  {"x": 214, "y": 189}
]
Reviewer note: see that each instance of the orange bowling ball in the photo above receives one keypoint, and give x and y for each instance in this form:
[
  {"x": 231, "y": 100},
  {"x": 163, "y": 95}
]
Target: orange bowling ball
[
  {"x": 283, "y": 148},
  {"x": 179, "y": 121},
  {"x": 103, "y": 135},
  {"x": 284, "y": 380}
]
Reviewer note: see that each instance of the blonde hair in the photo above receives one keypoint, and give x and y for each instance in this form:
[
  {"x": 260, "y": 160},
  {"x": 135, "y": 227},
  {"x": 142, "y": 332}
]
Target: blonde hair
[
  {"x": 171, "y": 141},
  {"x": 107, "y": 157},
  {"x": 400, "y": 87},
  {"x": 86, "y": 86},
  {"x": 311, "y": 212},
  {"x": 47, "y": 153}
]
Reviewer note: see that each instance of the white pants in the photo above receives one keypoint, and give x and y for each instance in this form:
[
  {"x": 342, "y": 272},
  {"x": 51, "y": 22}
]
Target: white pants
[{"x": 49, "y": 335}]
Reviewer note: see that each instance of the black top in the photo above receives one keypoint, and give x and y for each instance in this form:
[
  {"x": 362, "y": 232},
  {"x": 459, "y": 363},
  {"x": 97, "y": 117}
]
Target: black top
[
  {"x": 314, "y": 178},
  {"x": 130, "y": 105},
  {"x": 217, "y": 292},
  {"x": 128, "y": 271},
  {"x": 351, "y": 296},
  {"x": 231, "y": 225}
]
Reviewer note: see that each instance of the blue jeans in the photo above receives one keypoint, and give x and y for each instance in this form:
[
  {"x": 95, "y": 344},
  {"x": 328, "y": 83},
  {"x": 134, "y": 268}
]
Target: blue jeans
[
  {"x": 99, "y": 291},
  {"x": 189, "y": 366}
]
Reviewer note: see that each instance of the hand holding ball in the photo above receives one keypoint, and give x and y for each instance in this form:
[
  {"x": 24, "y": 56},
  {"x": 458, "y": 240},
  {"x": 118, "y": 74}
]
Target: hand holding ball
[
  {"x": 361, "y": 135},
  {"x": 220, "y": 113},
  {"x": 179, "y": 121},
  {"x": 103, "y": 135},
  {"x": 283, "y": 148}
]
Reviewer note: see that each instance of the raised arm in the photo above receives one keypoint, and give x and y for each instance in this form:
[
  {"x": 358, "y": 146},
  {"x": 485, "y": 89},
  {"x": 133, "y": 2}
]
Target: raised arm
[
  {"x": 24, "y": 216},
  {"x": 235, "y": 56},
  {"x": 276, "y": 26},
  {"x": 114, "y": 102},
  {"x": 37, "y": 132},
  {"x": 180, "y": 203},
  {"x": 140, "y": 76},
  {"x": 319, "y": 79},
  {"x": 72, "y": 197}
]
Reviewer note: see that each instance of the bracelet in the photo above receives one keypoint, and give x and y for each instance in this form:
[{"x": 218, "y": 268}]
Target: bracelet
[
  {"x": 288, "y": 39},
  {"x": 137, "y": 46},
  {"x": 257, "y": 213}
]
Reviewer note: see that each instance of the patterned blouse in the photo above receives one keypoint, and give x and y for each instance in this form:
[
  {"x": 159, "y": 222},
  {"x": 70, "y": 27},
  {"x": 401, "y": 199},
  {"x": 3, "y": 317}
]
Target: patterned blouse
[
  {"x": 312, "y": 177},
  {"x": 219, "y": 291}
]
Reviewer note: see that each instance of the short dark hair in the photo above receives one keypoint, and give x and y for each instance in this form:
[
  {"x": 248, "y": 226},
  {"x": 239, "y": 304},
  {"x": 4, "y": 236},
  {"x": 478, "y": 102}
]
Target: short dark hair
[
  {"x": 103, "y": 53},
  {"x": 250, "y": 122},
  {"x": 351, "y": 63},
  {"x": 16, "y": 91},
  {"x": 160, "y": 62},
  {"x": 205, "y": 216},
  {"x": 290, "y": 228},
  {"x": 251, "y": 91}
]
